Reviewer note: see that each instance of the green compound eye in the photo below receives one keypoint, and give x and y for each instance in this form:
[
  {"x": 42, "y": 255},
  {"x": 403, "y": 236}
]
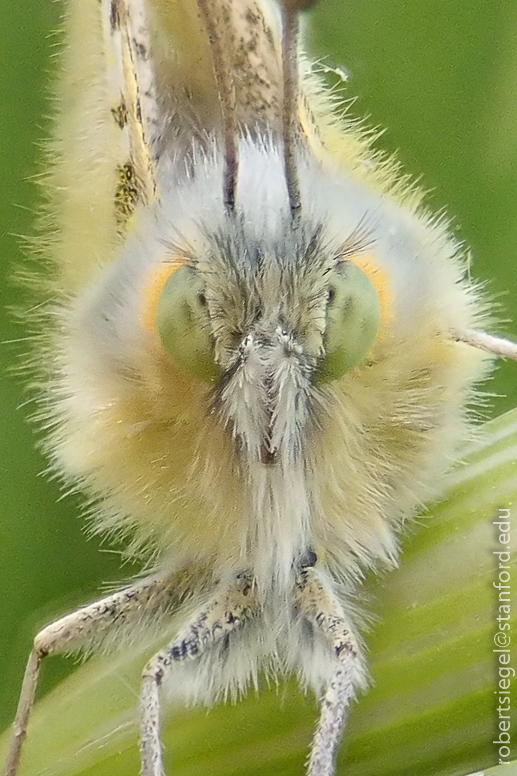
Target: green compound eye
[
  {"x": 353, "y": 318},
  {"x": 183, "y": 324}
]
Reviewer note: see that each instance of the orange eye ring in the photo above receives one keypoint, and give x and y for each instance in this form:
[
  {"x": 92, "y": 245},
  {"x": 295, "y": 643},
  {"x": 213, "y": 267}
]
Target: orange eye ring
[
  {"x": 154, "y": 286},
  {"x": 380, "y": 279}
]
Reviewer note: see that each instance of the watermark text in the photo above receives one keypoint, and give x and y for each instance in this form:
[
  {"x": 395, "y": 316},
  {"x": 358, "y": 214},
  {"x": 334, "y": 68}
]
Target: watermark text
[{"x": 502, "y": 636}]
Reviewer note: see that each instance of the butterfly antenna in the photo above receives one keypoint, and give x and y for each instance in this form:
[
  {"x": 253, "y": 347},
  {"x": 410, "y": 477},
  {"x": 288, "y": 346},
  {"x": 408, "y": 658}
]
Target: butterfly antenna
[
  {"x": 216, "y": 29},
  {"x": 290, "y": 125}
]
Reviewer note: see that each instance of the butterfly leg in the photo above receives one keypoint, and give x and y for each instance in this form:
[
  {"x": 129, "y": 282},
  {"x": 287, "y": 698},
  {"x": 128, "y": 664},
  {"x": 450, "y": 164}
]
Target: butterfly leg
[
  {"x": 224, "y": 613},
  {"x": 86, "y": 625},
  {"x": 499, "y": 346},
  {"x": 321, "y": 608}
]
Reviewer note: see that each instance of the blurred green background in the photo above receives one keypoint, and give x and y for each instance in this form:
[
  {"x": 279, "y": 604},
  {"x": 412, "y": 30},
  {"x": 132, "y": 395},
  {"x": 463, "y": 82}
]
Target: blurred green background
[{"x": 440, "y": 76}]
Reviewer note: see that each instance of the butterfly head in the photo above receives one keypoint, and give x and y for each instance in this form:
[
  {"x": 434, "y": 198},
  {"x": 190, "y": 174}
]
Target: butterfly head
[{"x": 266, "y": 308}]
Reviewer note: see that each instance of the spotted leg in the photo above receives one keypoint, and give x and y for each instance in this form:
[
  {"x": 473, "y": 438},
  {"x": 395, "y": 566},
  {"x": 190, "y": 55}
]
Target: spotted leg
[
  {"x": 227, "y": 611},
  {"x": 321, "y": 608},
  {"x": 83, "y": 627}
]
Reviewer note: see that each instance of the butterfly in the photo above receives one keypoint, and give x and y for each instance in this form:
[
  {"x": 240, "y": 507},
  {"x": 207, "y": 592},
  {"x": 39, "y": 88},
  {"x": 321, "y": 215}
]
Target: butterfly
[{"x": 262, "y": 353}]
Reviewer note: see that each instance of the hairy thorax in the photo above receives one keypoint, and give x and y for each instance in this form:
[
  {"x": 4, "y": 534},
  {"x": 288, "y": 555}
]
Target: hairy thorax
[{"x": 179, "y": 464}]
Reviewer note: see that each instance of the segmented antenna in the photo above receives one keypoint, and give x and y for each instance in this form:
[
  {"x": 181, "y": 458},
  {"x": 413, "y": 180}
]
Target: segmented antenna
[
  {"x": 290, "y": 33},
  {"x": 226, "y": 88}
]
